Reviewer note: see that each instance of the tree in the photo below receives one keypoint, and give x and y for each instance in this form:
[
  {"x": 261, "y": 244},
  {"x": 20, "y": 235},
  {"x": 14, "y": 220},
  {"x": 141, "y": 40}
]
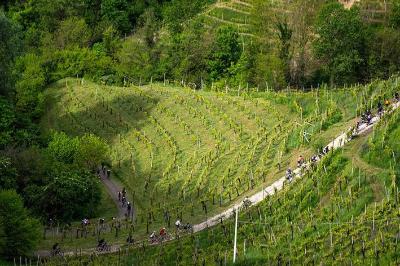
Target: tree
[
  {"x": 92, "y": 12},
  {"x": 9, "y": 49},
  {"x": 340, "y": 42},
  {"x": 269, "y": 68},
  {"x": 226, "y": 52},
  {"x": 110, "y": 40},
  {"x": 92, "y": 151},
  {"x": 72, "y": 32},
  {"x": 301, "y": 20},
  {"x": 8, "y": 177},
  {"x": 383, "y": 52},
  {"x": 19, "y": 232},
  {"x": 7, "y": 122},
  {"x": 62, "y": 148},
  {"x": 86, "y": 152},
  {"x": 80, "y": 189},
  {"x": 30, "y": 85},
  {"x": 135, "y": 59},
  {"x": 285, "y": 36},
  {"x": 116, "y": 13},
  {"x": 188, "y": 54},
  {"x": 394, "y": 17}
]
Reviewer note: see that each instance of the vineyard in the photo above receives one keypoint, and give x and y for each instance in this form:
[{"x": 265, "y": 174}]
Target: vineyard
[
  {"x": 233, "y": 13},
  {"x": 239, "y": 14},
  {"x": 344, "y": 211},
  {"x": 190, "y": 154},
  {"x": 160, "y": 132}
]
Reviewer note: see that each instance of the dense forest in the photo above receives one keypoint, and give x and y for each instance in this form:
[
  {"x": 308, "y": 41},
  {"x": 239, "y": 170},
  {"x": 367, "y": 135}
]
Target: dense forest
[{"x": 298, "y": 44}]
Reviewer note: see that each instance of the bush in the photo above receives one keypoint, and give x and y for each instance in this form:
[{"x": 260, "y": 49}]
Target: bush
[
  {"x": 79, "y": 189},
  {"x": 19, "y": 232}
]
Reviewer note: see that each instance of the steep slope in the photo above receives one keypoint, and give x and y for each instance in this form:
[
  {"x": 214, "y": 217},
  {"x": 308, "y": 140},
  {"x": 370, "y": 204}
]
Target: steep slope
[{"x": 230, "y": 158}]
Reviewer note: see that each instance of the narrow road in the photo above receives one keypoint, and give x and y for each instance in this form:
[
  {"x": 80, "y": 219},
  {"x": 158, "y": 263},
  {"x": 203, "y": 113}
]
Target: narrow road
[
  {"x": 338, "y": 142},
  {"x": 113, "y": 189}
]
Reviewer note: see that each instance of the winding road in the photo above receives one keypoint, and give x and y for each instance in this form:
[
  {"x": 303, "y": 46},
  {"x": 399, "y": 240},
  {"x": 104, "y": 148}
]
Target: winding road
[
  {"x": 112, "y": 189},
  {"x": 338, "y": 142}
]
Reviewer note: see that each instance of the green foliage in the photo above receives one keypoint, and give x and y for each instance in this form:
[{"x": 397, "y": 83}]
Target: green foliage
[
  {"x": 63, "y": 148},
  {"x": 91, "y": 152},
  {"x": 9, "y": 48},
  {"x": 394, "y": 18},
  {"x": 81, "y": 62},
  {"x": 111, "y": 41},
  {"x": 383, "y": 148},
  {"x": 72, "y": 32},
  {"x": 86, "y": 152},
  {"x": 285, "y": 36},
  {"x": 332, "y": 119},
  {"x": 19, "y": 232},
  {"x": 135, "y": 59},
  {"x": 226, "y": 52},
  {"x": 269, "y": 71},
  {"x": 8, "y": 178},
  {"x": 242, "y": 71},
  {"x": 340, "y": 42},
  {"x": 31, "y": 82},
  {"x": 177, "y": 12},
  {"x": 384, "y": 52},
  {"x": 189, "y": 53},
  {"x": 62, "y": 172},
  {"x": 7, "y": 122},
  {"x": 116, "y": 13},
  {"x": 79, "y": 189}
]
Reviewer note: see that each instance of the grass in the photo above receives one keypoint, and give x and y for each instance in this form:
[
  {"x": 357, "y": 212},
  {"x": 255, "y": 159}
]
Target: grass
[
  {"x": 174, "y": 148},
  {"x": 233, "y": 13},
  {"x": 107, "y": 208},
  {"x": 344, "y": 212},
  {"x": 329, "y": 216}
]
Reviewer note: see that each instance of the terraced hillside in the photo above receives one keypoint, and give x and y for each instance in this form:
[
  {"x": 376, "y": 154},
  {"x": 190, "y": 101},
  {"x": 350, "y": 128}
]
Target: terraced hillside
[
  {"x": 236, "y": 13},
  {"x": 239, "y": 13},
  {"x": 190, "y": 154},
  {"x": 344, "y": 211}
]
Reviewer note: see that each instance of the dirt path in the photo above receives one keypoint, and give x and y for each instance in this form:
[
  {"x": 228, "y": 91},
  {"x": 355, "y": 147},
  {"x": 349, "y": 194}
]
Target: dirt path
[
  {"x": 338, "y": 142},
  {"x": 348, "y": 3},
  {"x": 113, "y": 189}
]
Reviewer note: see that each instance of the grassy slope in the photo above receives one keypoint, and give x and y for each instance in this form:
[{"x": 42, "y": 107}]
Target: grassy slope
[
  {"x": 221, "y": 143},
  {"x": 346, "y": 199},
  {"x": 239, "y": 13},
  {"x": 335, "y": 217},
  {"x": 234, "y": 13}
]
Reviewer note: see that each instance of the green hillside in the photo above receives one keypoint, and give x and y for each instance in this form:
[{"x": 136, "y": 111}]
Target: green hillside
[
  {"x": 177, "y": 150},
  {"x": 345, "y": 211},
  {"x": 120, "y": 117},
  {"x": 233, "y": 13}
]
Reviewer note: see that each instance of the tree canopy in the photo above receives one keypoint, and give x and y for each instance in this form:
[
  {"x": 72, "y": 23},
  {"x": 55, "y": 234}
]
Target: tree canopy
[
  {"x": 19, "y": 232},
  {"x": 340, "y": 42}
]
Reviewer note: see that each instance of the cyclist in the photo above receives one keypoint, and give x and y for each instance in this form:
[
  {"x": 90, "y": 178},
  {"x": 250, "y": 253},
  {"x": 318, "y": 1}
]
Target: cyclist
[
  {"x": 178, "y": 224},
  {"x": 289, "y": 174}
]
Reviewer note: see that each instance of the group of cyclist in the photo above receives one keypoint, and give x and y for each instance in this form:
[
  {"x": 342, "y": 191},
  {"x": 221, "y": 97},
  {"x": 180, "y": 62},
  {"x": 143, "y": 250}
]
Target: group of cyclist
[
  {"x": 163, "y": 234},
  {"x": 125, "y": 202},
  {"x": 366, "y": 118},
  {"x": 301, "y": 162}
]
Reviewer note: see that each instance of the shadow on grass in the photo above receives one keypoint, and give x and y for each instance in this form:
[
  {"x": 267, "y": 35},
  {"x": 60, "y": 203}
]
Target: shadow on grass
[{"x": 107, "y": 118}]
